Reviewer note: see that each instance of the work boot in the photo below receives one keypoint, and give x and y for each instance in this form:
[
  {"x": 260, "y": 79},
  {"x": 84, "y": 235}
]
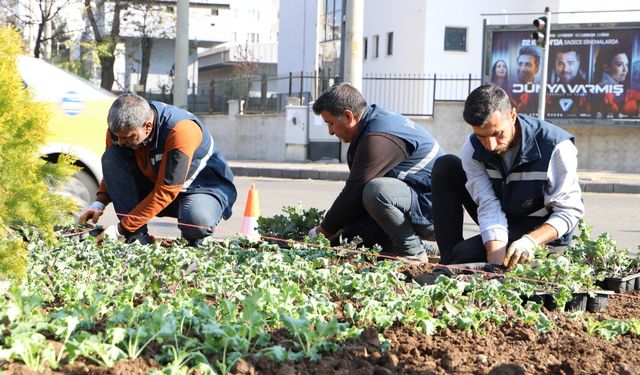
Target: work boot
[
  {"x": 143, "y": 238},
  {"x": 194, "y": 243}
]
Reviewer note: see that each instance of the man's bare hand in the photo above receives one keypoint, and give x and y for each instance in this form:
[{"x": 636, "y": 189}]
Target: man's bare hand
[
  {"x": 93, "y": 213},
  {"x": 495, "y": 251}
]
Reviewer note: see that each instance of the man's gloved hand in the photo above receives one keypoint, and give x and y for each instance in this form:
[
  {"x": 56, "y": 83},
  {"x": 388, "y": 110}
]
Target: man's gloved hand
[
  {"x": 111, "y": 233},
  {"x": 520, "y": 251},
  {"x": 93, "y": 212},
  {"x": 313, "y": 233}
]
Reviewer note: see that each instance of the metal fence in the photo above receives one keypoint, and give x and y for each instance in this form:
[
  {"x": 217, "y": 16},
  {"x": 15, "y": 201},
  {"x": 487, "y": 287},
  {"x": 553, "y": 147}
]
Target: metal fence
[
  {"x": 408, "y": 94},
  {"x": 413, "y": 94}
]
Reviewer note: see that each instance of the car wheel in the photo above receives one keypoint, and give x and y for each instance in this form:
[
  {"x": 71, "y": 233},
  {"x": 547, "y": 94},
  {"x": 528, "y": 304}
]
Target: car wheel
[{"x": 81, "y": 188}]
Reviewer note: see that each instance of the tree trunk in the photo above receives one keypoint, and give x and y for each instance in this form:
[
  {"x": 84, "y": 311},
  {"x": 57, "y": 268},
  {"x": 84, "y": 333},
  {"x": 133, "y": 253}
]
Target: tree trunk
[
  {"x": 36, "y": 49},
  {"x": 107, "y": 57},
  {"x": 146, "y": 46},
  {"x": 106, "y": 72}
]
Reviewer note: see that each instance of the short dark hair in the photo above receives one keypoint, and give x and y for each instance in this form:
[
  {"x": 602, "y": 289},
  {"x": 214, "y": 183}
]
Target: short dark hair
[
  {"x": 530, "y": 51},
  {"x": 338, "y": 98},
  {"x": 482, "y": 102}
]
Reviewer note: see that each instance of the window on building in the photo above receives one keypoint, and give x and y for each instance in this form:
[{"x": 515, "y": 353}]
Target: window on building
[
  {"x": 376, "y": 45},
  {"x": 455, "y": 39},
  {"x": 214, "y": 12},
  {"x": 331, "y": 20},
  {"x": 390, "y": 43},
  {"x": 365, "y": 47}
]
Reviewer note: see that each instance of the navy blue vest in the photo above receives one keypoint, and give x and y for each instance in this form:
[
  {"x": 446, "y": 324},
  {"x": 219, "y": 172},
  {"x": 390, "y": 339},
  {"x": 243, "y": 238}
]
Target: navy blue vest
[
  {"x": 208, "y": 172},
  {"x": 521, "y": 189},
  {"x": 415, "y": 171}
]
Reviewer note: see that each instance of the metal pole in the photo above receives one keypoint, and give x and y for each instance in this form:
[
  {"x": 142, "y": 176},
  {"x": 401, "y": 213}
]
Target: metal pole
[
  {"x": 290, "y": 82},
  {"x": 542, "y": 98},
  {"x": 263, "y": 91},
  {"x": 435, "y": 83},
  {"x": 354, "y": 24},
  {"x": 47, "y": 33},
  {"x": 181, "y": 54},
  {"x": 212, "y": 96},
  {"x": 301, "y": 86}
]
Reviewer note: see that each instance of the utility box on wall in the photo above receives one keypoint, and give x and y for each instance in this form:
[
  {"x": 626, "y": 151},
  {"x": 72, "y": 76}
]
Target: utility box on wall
[
  {"x": 322, "y": 145},
  {"x": 296, "y": 132}
]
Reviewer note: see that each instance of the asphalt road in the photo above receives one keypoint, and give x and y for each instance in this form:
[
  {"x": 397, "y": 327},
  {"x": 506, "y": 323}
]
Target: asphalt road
[{"x": 617, "y": 214}]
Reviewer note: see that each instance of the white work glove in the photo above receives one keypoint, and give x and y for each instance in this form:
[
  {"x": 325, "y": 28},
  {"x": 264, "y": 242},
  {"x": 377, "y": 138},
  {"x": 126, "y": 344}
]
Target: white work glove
[
  {"x": 111, "y": 233},
  {"x": 313, "y": 233},
  {"x": 93, "y": 213},
  {"x": 520, "y": 251}
]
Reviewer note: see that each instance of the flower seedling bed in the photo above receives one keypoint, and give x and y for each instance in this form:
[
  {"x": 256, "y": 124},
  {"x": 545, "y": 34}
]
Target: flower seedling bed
[{"x": 264, "y": 309}]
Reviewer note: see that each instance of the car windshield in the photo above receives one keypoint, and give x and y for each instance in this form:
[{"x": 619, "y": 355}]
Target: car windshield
[{"x": 51, "y": 84}]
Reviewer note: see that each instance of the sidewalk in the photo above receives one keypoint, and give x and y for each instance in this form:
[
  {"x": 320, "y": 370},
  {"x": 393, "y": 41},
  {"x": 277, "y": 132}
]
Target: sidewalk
[{"x": 590, "y": 181}]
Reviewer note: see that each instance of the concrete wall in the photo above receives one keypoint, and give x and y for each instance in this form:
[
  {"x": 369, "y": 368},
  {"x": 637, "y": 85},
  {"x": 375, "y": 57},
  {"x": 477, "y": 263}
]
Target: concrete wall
[
  {"x": 248, "y": 137},
  {"x": 607, "y": 148},
  {"x": 600, "y": 148},
  {"x": 447, "y": 126},
  {"x": 262, "y": 137}
]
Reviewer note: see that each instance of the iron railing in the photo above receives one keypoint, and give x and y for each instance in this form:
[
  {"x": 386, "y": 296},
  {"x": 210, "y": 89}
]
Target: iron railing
[
  {"x": 414, "y": 94},
  {"x": 408, "y": 94}
]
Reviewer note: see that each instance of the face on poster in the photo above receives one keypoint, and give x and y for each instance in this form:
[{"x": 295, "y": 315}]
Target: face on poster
[{"x": 592, "y": 73}]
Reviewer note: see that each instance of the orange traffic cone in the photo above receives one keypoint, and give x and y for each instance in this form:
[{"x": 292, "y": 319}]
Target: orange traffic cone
[{"x": 251, "y": 213}]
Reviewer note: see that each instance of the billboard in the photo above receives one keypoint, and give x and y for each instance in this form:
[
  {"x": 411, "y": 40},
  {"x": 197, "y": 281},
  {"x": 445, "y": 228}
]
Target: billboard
[{"x": 593, "y": 72}]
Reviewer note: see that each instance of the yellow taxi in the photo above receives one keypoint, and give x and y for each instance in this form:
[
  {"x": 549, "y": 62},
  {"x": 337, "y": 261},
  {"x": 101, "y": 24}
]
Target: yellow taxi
[{"x": 77, "y": 125}]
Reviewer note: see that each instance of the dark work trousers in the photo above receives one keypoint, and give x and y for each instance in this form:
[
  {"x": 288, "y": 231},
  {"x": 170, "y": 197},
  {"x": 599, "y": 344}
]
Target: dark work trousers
[
  {"x": 197, "y": 214},
  {"x": 387, "y": 223},
  {"x": 450, "y": 196}
]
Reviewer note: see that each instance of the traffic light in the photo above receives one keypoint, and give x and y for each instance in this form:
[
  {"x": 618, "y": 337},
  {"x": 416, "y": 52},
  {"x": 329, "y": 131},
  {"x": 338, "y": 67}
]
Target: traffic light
[{"x": 540, "y": 35}]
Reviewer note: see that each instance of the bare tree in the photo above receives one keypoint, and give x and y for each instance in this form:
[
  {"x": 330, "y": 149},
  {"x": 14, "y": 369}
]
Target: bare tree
[
  {"x": 106, "y": 43},
  {"x": 245, "y": 69},
  {"x": 45, "y": 12}
]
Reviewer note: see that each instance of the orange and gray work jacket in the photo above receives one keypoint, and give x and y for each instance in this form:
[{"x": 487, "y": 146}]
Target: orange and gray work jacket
[{"x": 179, "y": 157}]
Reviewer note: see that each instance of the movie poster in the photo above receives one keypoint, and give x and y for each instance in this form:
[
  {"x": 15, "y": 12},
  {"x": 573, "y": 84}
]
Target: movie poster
[{"x": 592, "y": 73}]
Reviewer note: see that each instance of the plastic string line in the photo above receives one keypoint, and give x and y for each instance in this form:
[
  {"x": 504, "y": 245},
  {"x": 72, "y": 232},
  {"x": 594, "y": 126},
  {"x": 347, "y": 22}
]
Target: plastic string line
[
  {"x": 391, "y": 257},
  {"x": 272, "y": 238}
]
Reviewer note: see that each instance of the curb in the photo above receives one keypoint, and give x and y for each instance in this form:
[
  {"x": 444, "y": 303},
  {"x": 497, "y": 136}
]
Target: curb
[
  {"x": 587, "y": 186},
  {"x": 609, "y": 187},
  {"x": 293, "y": 173}
]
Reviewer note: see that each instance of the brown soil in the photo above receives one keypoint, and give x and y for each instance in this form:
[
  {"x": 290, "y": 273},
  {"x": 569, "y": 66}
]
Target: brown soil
[
  {"x": 511, "y": 348},
  {"x": 507, "y": 349}
]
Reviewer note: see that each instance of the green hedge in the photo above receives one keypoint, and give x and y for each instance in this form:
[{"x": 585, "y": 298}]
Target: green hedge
[{"x": 26, "y": 197}]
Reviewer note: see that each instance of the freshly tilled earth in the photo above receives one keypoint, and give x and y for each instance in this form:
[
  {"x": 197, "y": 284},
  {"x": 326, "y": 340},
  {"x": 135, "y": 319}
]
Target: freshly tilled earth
[{"x": 510, "y": 348}]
